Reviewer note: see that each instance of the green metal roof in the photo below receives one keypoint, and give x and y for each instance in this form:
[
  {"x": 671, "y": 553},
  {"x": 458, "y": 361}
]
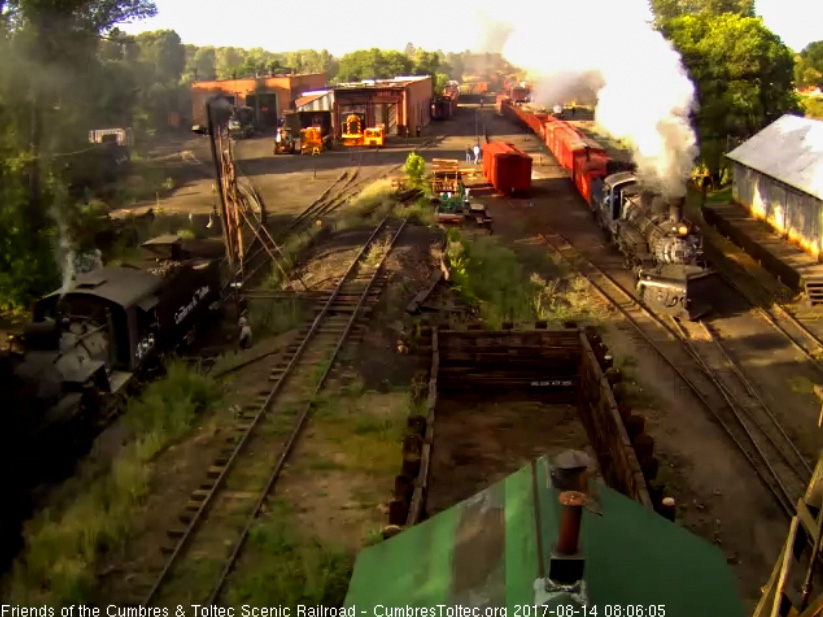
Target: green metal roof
[{"x": 483, "y": 552}]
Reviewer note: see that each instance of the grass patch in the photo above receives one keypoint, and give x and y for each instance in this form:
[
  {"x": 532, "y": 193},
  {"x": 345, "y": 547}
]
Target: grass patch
[
  {"x": 507, "y": 286},
  {"x": 290, "y": 570},
  {"x": 421, "y": 212},
  {"x": 637, "y": 396},
  {"x": 292, "y": 251},
  {"x": 269, "y": 317},
  {"x": 62, "y": 546},
  {"x": 801, "y": 385},
  {"x": 372, "y": 203},
  {"x": 368, "y": 428}
]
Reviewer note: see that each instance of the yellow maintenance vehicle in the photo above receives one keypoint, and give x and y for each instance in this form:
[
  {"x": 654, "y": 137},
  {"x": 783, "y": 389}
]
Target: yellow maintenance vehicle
[
  {"x": 375, "y": 136},
  {"x": 311, "y": 140},
  {"x": 284, "y": 141},
  {"x": 352, "y": 133}
]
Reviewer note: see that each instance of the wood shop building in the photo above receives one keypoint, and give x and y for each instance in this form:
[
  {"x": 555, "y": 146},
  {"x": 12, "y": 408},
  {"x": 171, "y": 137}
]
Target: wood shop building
[{"x": 401, "y": 104}]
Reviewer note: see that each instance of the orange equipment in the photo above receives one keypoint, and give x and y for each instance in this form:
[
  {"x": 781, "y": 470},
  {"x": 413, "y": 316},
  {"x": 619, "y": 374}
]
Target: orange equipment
[
  {"x": 311, "y": 140},
  {"x": 353, "y": 131},
  {"x": 284, "y": 142},
  {"x": 375, "y": 136}
]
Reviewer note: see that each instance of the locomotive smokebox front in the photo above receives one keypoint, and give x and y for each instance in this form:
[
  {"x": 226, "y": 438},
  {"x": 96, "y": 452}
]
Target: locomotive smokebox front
[{"x": 676, "y": 207}]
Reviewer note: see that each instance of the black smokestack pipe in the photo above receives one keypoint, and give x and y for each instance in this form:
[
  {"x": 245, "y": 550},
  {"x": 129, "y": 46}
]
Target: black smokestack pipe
[
  {"x": 676, "y": 205},
  {"x": 646, "y": 198}
]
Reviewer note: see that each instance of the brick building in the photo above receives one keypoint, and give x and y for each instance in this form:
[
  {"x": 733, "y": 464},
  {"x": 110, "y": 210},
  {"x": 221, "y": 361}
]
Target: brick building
[{"x": 268, "y": 96}]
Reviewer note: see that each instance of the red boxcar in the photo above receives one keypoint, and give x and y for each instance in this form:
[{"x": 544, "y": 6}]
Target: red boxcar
[
  {"x": 550, "y": 128},
  {"x": 566, "y": 140},
  {"x": 489, "y": 148},
  {"x": 587, "y": 167},
  {"x": 508, "y": 168}
]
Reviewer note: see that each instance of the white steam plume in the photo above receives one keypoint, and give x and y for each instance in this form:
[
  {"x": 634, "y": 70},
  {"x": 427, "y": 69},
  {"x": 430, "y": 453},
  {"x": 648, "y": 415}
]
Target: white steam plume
[
  {"x": 643, "y": 93},
  {"x": 65, "y": 253}
]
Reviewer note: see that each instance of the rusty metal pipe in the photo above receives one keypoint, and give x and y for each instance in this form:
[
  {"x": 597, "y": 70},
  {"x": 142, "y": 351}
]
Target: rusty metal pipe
[{"x": 571, "y": 516}]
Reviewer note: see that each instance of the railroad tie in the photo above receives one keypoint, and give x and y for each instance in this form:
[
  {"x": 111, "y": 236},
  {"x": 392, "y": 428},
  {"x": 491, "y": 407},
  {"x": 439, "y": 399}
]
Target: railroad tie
[{"x": 215, "y": 471}]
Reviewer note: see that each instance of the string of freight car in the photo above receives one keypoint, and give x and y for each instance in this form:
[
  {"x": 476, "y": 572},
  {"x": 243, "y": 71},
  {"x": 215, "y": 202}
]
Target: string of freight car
[
  {"x": 211, "y": 513},
  {"x": 588, "y": 164},
  {"x": 726, "y": 410}
]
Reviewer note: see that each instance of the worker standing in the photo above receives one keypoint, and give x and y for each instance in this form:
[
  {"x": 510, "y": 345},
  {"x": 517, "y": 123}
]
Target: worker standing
[
  {"x": 468, "y": 154},
  {"x": 245, "y": 333},
  {"x": 476, "y": 154}
]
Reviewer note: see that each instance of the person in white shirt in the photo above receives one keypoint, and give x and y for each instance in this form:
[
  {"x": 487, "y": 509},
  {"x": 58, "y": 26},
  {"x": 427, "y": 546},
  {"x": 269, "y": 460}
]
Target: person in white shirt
[
  {"x": 476, "y": 154},
  {"x": 245, "y": 333}
]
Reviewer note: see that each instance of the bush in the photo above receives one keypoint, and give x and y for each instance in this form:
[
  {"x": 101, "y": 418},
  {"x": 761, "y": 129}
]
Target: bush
[
  {"x": 505, "y": 286},
  {"x": 415, "y": 170},
  {"x": 490, "y": 277},
  {"x": 421, "y": 212},
  {"x": 812, "y": 107},
  {"x": 62, "y": 548}
]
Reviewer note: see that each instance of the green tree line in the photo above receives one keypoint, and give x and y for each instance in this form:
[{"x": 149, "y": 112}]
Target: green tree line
[{"x": 745, "y": 76}]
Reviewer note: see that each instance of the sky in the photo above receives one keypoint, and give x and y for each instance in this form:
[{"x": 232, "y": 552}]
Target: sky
[{"x": 449, "y": 25}]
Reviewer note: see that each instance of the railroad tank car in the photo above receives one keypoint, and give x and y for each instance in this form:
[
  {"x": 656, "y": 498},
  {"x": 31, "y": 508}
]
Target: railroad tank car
[{"x": 88, "y": 342}]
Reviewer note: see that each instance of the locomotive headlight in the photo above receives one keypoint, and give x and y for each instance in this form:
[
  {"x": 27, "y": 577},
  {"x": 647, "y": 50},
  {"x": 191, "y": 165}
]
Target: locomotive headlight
[{"x": 683, "y": 230}]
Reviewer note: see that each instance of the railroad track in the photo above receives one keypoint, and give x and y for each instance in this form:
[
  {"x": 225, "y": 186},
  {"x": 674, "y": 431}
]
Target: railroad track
[
  {"x": 697, "y": 355},
  {"x": 781, "y": 319},
  {"x": 353, "y": 181},
  {"x": 219, "y": 515}
]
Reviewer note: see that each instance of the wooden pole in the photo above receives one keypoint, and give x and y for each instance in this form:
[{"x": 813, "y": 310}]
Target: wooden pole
[{"x": 217, "y": 161}]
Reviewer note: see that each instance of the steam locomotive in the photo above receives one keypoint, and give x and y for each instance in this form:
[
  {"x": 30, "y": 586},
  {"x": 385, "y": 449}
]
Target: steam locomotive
[
  {"x": 663, "y": 247},
  {"x": 88, "y": 342}
]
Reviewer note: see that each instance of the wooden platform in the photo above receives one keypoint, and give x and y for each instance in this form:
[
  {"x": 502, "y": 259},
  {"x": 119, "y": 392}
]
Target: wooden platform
[{"x": 792, "y": 266}]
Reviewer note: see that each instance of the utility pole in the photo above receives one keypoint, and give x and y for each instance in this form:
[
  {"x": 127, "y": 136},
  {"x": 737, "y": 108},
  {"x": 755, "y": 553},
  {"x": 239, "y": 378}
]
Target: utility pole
[{"x": 218, "y": 171}]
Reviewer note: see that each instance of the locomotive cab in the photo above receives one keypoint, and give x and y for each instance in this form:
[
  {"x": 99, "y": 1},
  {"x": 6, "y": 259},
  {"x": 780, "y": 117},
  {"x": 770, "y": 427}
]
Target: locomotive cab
[{"x": 612, "y": 198}]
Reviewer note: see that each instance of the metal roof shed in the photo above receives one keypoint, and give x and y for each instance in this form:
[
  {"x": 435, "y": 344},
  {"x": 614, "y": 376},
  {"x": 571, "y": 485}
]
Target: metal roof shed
[
  {"x": 790, "y": 150},
  {"x": 778, "y": 176},
  {"x": 493, "y": 550}
]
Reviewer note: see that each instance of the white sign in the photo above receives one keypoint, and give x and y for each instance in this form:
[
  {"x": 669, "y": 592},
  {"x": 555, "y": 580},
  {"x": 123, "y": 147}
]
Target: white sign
[{"x": 184, "y": 311}]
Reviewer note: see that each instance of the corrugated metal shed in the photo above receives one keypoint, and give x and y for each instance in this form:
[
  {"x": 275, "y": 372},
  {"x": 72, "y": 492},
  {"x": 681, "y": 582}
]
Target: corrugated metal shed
[
  {"x": 789, "y": 150},
  {"x": 490, "y": 550},
  {"x": 315, "y": 101}
]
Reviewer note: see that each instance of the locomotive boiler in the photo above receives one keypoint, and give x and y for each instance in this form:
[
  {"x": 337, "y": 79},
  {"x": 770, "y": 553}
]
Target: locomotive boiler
[
  {"x": 660, "y": 244},
  {"x": 87, "y": 342}
]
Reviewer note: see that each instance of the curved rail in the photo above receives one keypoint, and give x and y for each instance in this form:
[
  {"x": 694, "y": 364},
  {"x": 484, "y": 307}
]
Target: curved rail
[
  {"x": 218, "y": 483},
  {"x": 728, "y": 412}
]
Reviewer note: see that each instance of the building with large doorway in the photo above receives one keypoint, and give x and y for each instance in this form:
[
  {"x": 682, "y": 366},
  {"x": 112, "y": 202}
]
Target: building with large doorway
[
  {"x": 270, "y": 97},
  {"x": 401, "y": 105}
]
